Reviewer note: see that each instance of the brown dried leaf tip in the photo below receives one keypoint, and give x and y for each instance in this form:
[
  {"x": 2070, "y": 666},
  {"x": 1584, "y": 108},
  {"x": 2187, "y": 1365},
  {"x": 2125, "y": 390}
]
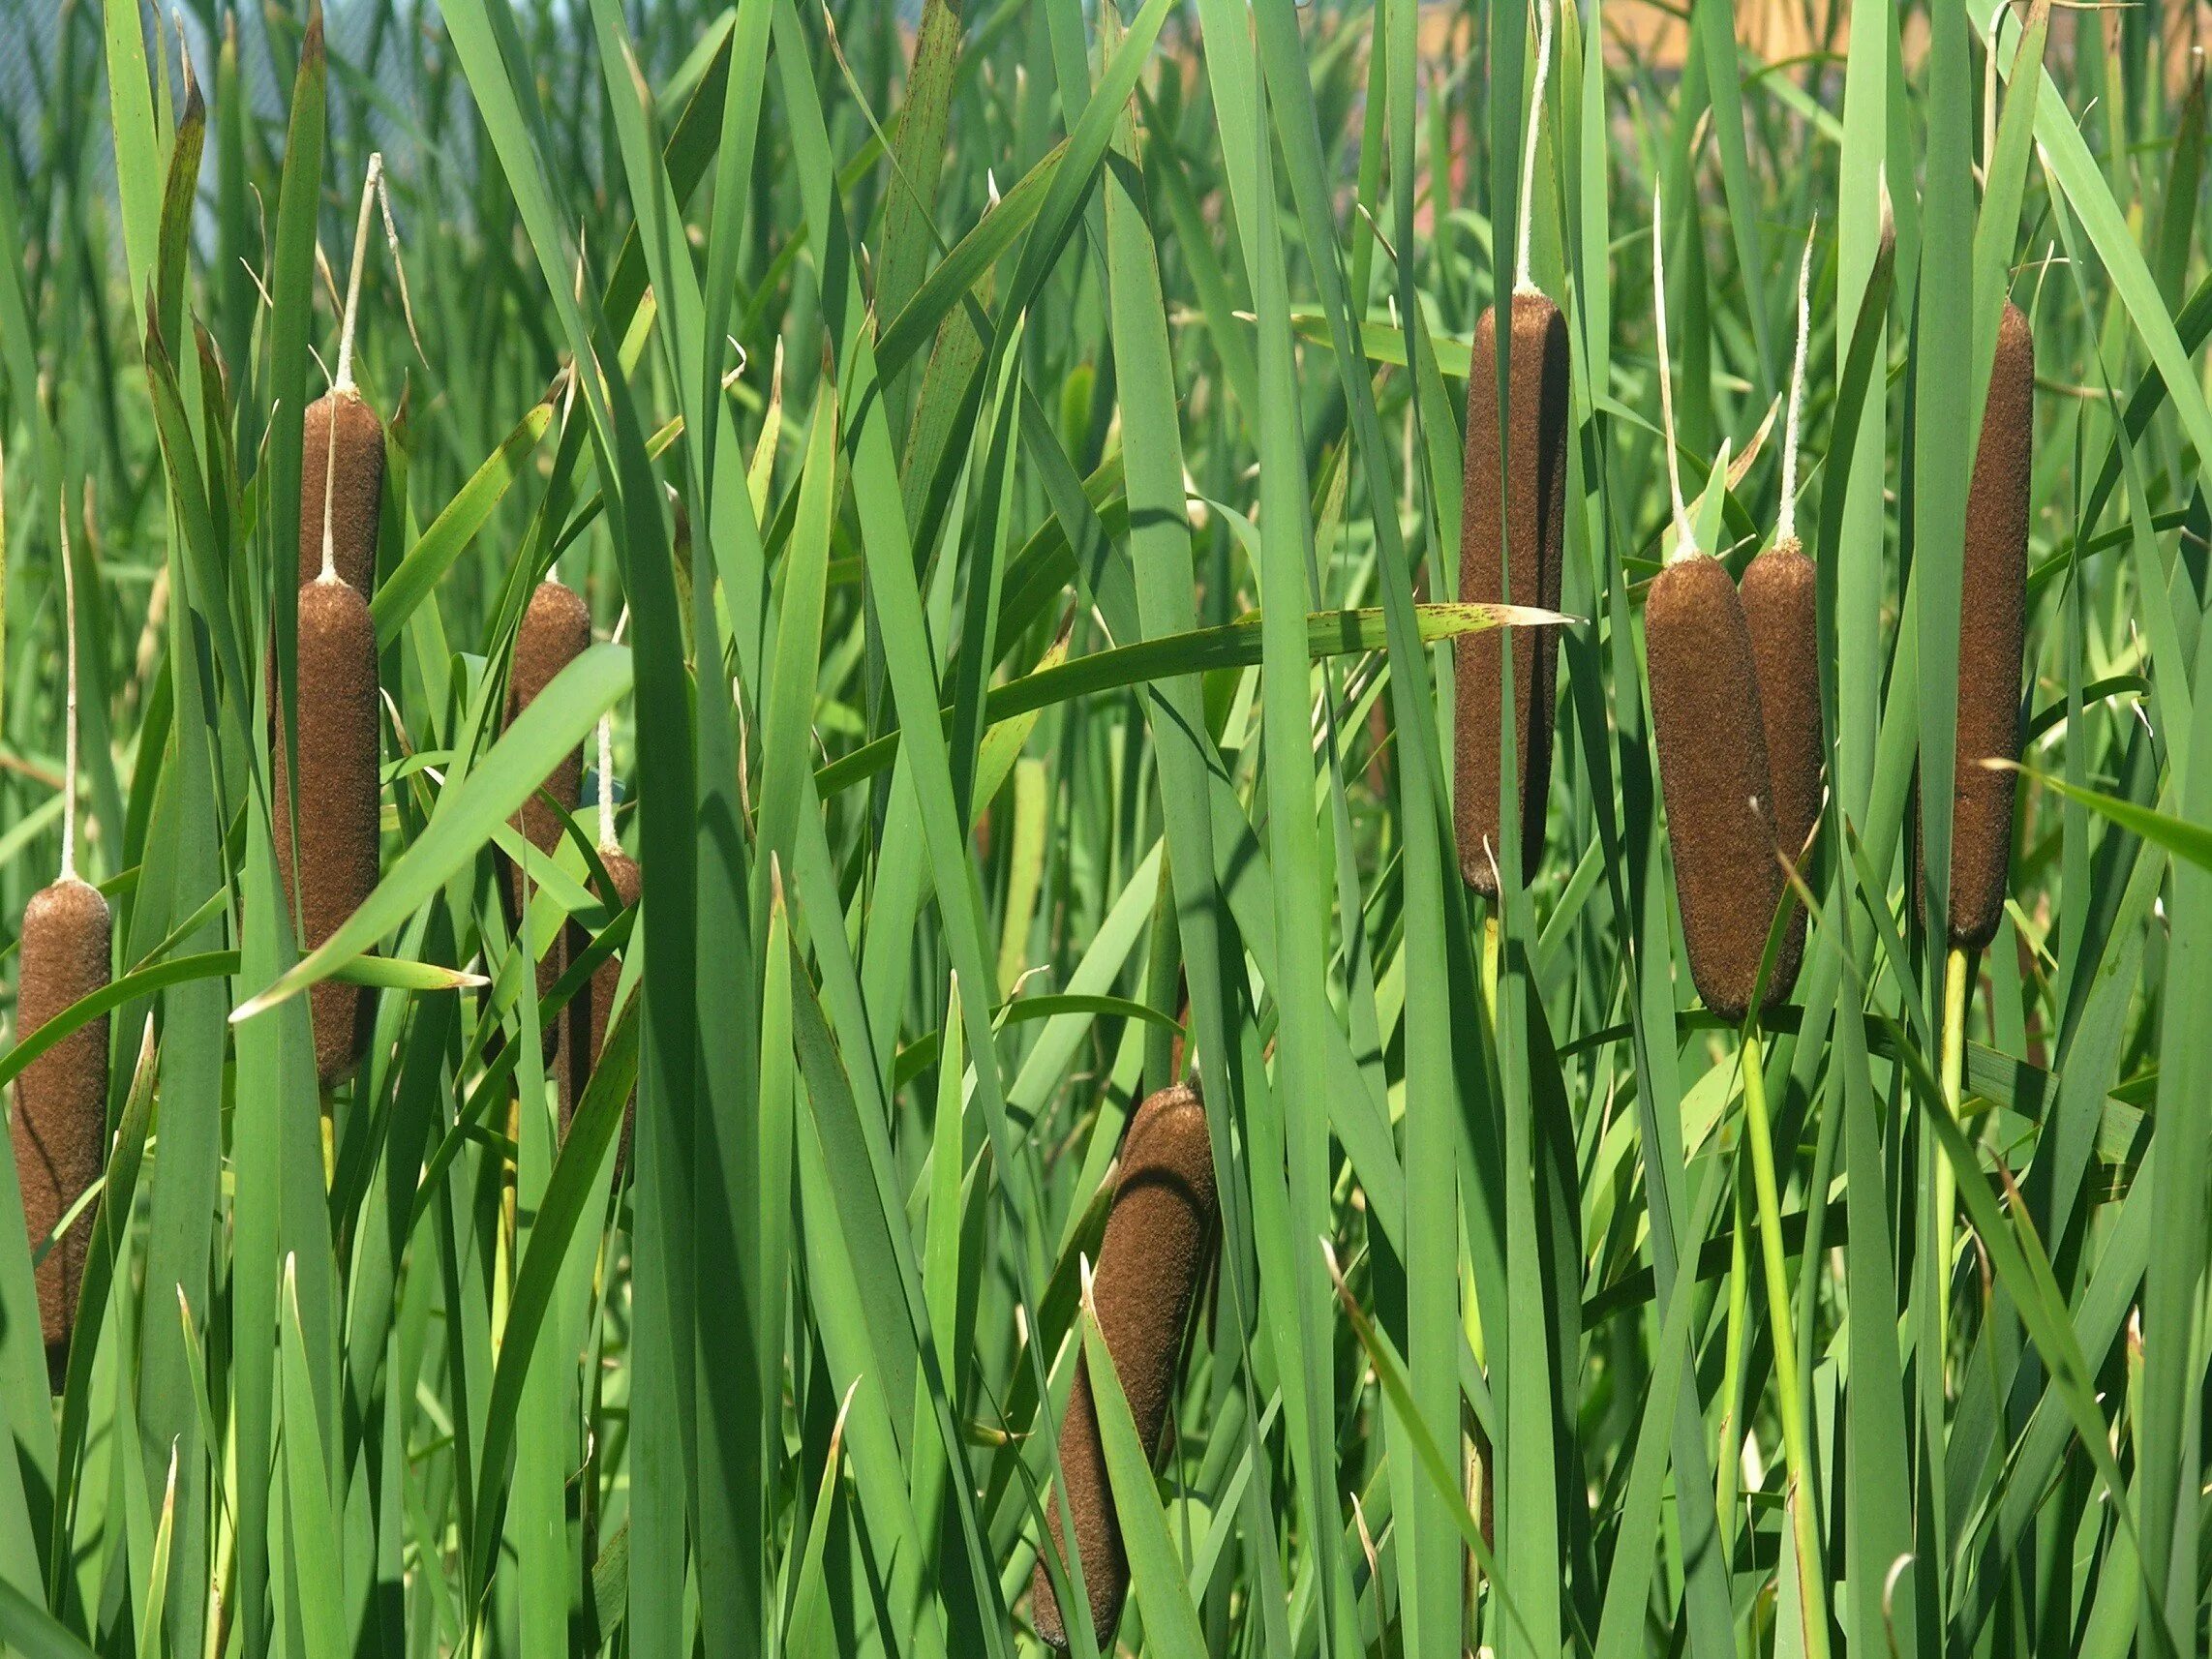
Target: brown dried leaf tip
[
  {"x": 339, "y": 803},
  {"x": 582, "y": 1023},
  {"x": 1159, "y": 1236},
  {"x": 1992, "y": 623},
  {"x": 59, "y": 1128},
  {"x": 1713, "y": 771},
  {"x": 1532, "y": 512}
]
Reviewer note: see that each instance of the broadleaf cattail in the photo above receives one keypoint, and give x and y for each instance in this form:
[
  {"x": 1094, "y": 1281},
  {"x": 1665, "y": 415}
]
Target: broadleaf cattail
[
  {"x": 1158, "y": 1237},
  {"x": 1532, "y": 516},
  {"x": 554, "y": 632},
  {"x": 1712, "y": 744},
  {"x": 339, "y": 803},
  {"x": 1992, "y": 621},
  {"x": 342, "y": 484},
  {"x": 583, "y": 1029},
  {"x": 336, "y": 695},
  {"x": 1780, "y": 598},
  {"x": 59, "y": 1128}
]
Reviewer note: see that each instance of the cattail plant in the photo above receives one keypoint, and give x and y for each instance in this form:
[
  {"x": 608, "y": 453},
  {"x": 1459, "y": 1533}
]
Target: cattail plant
[
  {"x": 1512, "y": 518},
  {"x": 1159, "y": 1236},
  {"x": 554, "y": 632},
  {"x": 1779, "y": 594},
  {"x": 59, "y": 1128},
  {"x": 1713, "y": 746},
  {"x": 337, "y": 786},
  {"x": 584, "y": 1021},
  {"x": 1720, "y": 822},
  {"x": 1992, "y": 621},
  {"x": 342, "y": 452}
]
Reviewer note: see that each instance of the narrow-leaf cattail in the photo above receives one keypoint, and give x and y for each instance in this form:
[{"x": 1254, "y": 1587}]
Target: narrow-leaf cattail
[
  {"x": 60, "y": 1124},
  {"x": 1993, "y": 616},
  {"x": 1531, "y": 514},
  {"x": 1712, "y": 744},
  {"x": 584, "y": 1021},
  {"x": 339, "y": 790},
  {"x": 1781, "y": 597},
  {"x": 59, "y": 1128},
  {"x": 1159, "y": 1236},
  {"x": 555, "y": 630},
  {"x": 1713, "y": 772},
  {"x": 339, "y": 802}
]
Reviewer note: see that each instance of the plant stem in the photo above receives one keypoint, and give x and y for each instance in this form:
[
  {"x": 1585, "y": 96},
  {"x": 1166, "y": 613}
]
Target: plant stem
[
  {"x": 1953, "y": 1039},
  {"x": 1795, "y": 1447}
]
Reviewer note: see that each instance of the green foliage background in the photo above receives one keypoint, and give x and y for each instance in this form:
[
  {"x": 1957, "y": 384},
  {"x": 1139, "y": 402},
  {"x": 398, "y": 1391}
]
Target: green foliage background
[{"x": 941, "y": 396}]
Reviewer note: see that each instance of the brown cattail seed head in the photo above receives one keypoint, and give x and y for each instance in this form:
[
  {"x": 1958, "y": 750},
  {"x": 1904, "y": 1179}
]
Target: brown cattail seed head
[
  {"x": 60, "y": 1124},
  {"x": 584, "y": 1021},
  {"x": 1780, "y": 607},
  {"x": 339, "y": 803},
  {"x": 1992, "y": 628},
  {"x": 358, "y": 497},
  {"x": 1713, "y": 768},
  {"x": 1534, "y": 514},
  {"x": 1159, "y": 1234},
  {"x": 555, "y": 630}
]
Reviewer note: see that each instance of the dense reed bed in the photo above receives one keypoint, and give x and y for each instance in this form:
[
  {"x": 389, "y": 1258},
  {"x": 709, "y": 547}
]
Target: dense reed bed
[{"x": 790, "y": 907}]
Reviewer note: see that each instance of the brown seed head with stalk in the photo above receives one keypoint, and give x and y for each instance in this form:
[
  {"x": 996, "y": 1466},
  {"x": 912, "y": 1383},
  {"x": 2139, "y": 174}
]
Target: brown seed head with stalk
[
  {"x": 337, "y": 786},
  {"x": 1159, "y": 1238},
  {"x": 1992, "y": 624},
  {"x": 1511, "y": 516},
  {"x": 583, "y": 1026},
  {"x": 1779, "y": 594},
  {"x": 1712, "y": 743},
  {"x": 555, "y": 630},
  {"x": 59, "y": 1128}
]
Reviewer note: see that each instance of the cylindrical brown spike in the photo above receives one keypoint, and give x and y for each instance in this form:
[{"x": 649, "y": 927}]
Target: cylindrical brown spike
[
  {"x": 60, "y": 1124},
  {"x": 1780, "y": 607},
  {"x": 357, "y": 498},
  {"x": 554, "y": 632},
  {"x": 1159, "y": 1234},
  {"x": 584, "y": 1021},
  {"x": 1712, "y": 770},
  {"x": 1991, "y": 626},
  {"x": 339, "y": 798},
  {"x": 1533, "y": 513}
]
